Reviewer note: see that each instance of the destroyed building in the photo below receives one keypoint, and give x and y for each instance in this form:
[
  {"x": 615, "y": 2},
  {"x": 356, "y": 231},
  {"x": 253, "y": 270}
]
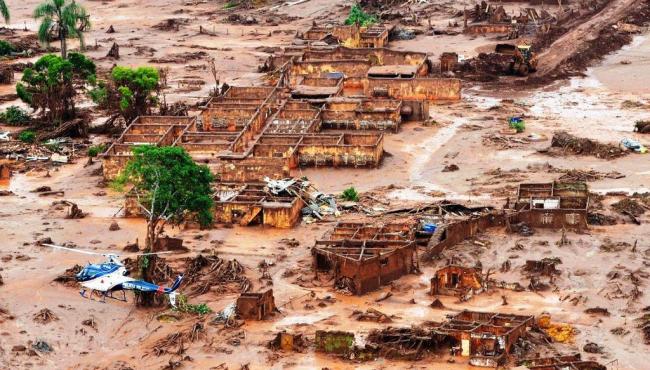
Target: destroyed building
[
  {"x": 563, "y": 362},
  {"x": 256, "y": 306},
  {"x": 363, "y": 257},
  {"x": 486, "y": 338},
  {"x": 553, "y": 205},
  {"x": 252, "y": 204},
  {"x": 326, "y": 106},
  {"x": 457, "y": 281}
]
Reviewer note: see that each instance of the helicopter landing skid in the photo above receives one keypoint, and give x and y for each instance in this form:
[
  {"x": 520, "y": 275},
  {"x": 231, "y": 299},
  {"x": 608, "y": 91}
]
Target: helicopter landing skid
[{"x": 104, "y": 295}]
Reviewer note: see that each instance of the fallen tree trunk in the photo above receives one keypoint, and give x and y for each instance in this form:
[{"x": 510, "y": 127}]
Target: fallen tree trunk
[{"x": 76, "y": 127}]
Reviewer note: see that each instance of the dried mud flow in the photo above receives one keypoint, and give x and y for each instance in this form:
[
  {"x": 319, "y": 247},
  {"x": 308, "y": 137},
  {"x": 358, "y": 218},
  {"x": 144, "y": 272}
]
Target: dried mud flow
[{"x": 464, "y": 154}]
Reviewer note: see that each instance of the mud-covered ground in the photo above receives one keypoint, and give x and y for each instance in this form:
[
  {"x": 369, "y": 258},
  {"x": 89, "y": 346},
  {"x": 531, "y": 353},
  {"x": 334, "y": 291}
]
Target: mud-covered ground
[{"x": 470, "y": 134}]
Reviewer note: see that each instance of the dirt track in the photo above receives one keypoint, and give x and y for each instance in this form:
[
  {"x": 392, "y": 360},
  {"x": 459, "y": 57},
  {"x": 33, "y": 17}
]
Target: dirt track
[{"x": 569, "y": 44}]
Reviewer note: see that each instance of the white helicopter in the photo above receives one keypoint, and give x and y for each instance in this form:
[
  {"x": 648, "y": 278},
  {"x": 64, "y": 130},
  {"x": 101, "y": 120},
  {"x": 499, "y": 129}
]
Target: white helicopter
[{"x": 111, "y": 276}]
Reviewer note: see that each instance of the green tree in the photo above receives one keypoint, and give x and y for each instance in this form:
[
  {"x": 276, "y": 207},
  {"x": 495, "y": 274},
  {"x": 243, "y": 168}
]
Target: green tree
[
  {"x": 169, "y": 186},
  {"x": 131, "y": 91},
  {"x": 358, "y": 16},
  {"x": 4, "y": 11},
  {"x": 62, "y": 19},
  {"x": 52, "y": 84}
]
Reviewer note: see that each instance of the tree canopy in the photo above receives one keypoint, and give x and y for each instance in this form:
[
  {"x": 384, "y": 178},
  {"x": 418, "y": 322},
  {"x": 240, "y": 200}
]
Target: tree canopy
[
  {"x": 130, "y": 91},
  {"x": 52, "y": 83},
  {"x": 4, "y": 11},
  {"x": 61, "y": 19},
  {"x": 169, "y": 187}
]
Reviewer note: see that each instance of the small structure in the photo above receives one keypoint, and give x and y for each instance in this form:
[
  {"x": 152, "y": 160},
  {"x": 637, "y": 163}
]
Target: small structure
[
  {"x": 5, "y": 171},
  {"x": 448, "y": 62},
  {"x": 287, "y": 342},
  {"x": 168, "y": 243},
  {"x": 553, "y": 205},
  {"x": 334, "y": 342},
  {"x": 457, "y": 281},
  {"x": 363, "y": 257},
  {"x": 256, "y": 306}
]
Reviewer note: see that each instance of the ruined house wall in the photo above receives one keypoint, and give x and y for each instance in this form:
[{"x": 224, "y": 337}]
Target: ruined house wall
[
  {"x": 431, "y": 89},
  {"x": 350, "y": 68},
  {"x": 285, "y": 216},
  {"x": 255, "y": 306},
  {"x": 554, "y": 218},
  {"x": 351, "y": 153},
  {"x": 250, "y": 169},
  {"x": 371, "y": 274},
  {"x": 232, "y": 212},
  {"x": 479, "y": 29},
  {"x": 112, "y": 165},
  {"x": 468, "y": 280},
  {"x": 456, "y": 232}
]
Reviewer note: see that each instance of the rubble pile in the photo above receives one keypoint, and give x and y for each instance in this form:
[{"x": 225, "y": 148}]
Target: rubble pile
[
  {"x": 642, "y": 127},
  {"x": 176, "y": 343},
  {"x": 68, "y": 277},
  {"x": 583, "y": 146},
  {"x": 204, "y": 272},
  {"x": 45, "y": 316}
]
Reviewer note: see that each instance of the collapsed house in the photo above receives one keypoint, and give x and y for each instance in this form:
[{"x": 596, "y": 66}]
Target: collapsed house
[
  {"x": 555, "y": 205},
  {"x": 363, "y": 257},
  {"x": 253, "y": 204},
  {"x": 493, "y": 18},
  {"x": 566, "y": 362},
  {"x": 256, "y": 306},
  {"x": 487, "y": 339},
  {"x": 457, "y": 281},
  {"x": 456, "y": 222},
  {"x": 375, "y": 36}
]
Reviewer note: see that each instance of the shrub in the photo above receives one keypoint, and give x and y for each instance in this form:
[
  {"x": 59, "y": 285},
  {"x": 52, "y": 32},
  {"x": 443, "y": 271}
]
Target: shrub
[
  {"x": 5, "y": 48},
  {"x": 95, "y": 150},
  {"x": 358, "y": 16},
  {"x": 15, "y": 116},
  {"x": 350, "y": 194},
  {"x": 197, "y": 309},
  {"x": 27, "y": 136}
]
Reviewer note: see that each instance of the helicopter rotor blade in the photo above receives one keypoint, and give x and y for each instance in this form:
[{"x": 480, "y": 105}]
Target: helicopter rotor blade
[
  {"x": 82, "y": 251},
  {"x": 145, "y": 254}
]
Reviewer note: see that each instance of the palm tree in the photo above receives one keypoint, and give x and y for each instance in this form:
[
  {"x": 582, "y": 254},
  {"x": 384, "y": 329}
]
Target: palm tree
[
  {"x": 64, "y": 18},
  {"x": 4, "y": 11}
]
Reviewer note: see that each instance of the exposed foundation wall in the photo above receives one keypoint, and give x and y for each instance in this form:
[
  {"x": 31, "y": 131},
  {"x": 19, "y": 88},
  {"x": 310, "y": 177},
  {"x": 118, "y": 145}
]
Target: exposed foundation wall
[
  {"x": 370, "y": 115},
  {"x": 249, "y": 169},
  {"x": 340, "y": 155},
  {"x": 431, "y": 89}
]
